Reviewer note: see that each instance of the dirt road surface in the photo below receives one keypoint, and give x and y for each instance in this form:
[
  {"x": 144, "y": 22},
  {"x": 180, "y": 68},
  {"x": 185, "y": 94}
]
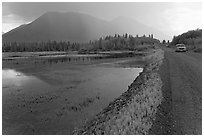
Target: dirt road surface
[{"x": 181, "y": 111}]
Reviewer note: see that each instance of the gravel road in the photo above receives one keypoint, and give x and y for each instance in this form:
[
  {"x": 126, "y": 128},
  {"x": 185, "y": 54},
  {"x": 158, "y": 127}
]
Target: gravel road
[{"x": 181, "y": 110}]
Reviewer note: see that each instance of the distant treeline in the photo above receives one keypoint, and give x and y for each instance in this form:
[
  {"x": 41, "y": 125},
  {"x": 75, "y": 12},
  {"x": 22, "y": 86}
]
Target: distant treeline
[
  {"x": 39, "y": 46},
  {"x": 193, "y": 37},
  {"x": 116, "y": 42}
]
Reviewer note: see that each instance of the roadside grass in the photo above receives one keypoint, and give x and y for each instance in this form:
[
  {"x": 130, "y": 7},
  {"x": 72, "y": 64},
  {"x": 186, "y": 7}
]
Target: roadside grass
[
  {"x": 135, "y": 110},
  {"x": 137, "y": 117}
]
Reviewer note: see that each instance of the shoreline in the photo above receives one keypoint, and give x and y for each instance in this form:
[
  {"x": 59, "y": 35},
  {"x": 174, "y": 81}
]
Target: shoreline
[
  {"x": 54, "y": 54},
  {"x": 62, "y": 111},
  {"x": 135, "y": 110}
]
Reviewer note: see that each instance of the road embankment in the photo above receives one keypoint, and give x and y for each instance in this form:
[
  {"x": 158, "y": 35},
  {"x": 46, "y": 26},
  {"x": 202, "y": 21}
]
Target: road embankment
[{"x": 135, "y": 110}]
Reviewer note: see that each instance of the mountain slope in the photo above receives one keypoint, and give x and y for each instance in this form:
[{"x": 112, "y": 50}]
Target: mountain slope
[
  {"x": 132, "y": 26},
  {"x": 60, "y": 26},
  {"x": 75, "y": 27}
]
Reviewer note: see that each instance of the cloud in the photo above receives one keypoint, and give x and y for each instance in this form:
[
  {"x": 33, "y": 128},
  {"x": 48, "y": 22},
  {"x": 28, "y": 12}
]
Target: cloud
[
  {"x": 10, "y": 21},
  {"x": 170, "y": 18},
  {"x": 11, "y": 18},
  {"x": 181, "y": 19}
]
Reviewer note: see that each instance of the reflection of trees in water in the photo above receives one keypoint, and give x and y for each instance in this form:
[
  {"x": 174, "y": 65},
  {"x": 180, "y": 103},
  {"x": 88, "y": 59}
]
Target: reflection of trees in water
[
  {"x": 74, "y": 59},
  {"x": 44, "y": 61},
  {"x": 66, "y": 59},
  {"x": 49, "y": 60},
  {"x": 40, "y": 67}
]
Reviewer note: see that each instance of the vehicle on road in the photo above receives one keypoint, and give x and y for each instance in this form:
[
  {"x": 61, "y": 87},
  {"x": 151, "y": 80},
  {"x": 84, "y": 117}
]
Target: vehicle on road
[{"x": 181, "y": 48}]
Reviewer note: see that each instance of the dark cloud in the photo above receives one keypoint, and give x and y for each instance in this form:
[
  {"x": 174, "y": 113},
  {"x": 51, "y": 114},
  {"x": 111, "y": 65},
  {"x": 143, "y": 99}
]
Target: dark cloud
[
  {"x": 29, "y": 10},
  {"x": 32, "y": 10},
  {"x": 151, "y": 14}
]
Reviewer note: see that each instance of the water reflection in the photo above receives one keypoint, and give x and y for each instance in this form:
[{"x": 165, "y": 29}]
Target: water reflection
[
  {"x": 52, "y": 96},
  {"x": 12, "y": 76},
  {"x": 55, "y": 59}
]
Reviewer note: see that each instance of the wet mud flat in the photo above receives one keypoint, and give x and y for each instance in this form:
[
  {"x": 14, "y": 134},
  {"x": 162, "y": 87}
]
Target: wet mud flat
[
  {"x": 134, "y": 112},
  {"x": 53, "y": 96}
]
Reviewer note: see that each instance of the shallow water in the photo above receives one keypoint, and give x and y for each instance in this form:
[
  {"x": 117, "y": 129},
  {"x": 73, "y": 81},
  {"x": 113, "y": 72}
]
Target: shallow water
[{"x": 57, "y": 97}]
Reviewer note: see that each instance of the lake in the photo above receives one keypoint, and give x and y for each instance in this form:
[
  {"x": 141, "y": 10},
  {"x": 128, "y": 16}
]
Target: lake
[{"x": 58, "y": 95}]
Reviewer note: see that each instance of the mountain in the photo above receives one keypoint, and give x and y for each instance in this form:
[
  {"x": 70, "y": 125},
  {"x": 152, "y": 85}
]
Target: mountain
[
  {"x": 75, "y": 27},
  {"x": 132, "y": 26}
]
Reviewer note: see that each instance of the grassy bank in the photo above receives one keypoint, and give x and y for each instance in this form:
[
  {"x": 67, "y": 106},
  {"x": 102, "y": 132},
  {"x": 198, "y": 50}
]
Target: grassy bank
[{"x": 135, "y": 110}]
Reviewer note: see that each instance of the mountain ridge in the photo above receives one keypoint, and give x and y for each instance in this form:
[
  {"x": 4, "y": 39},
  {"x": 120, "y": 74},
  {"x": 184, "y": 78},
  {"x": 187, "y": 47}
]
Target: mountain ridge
[{"x": 74, "y": 27}]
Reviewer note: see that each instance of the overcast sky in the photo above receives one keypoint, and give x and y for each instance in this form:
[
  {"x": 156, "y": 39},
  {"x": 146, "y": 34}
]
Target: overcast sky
[{"x": 170, "y": 18}]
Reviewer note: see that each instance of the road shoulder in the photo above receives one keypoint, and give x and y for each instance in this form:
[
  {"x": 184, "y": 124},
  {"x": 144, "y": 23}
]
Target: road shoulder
[{"x": 163, "y": 123}]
